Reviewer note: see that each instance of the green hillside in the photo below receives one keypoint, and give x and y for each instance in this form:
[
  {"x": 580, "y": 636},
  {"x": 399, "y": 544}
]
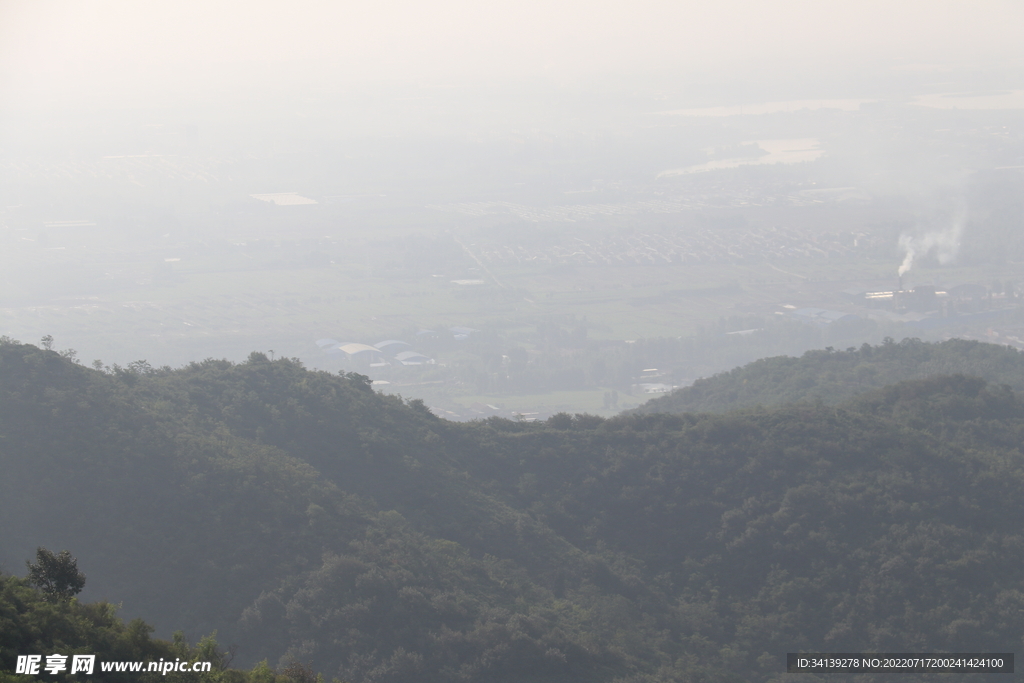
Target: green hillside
[
  {"x": 306, "y": 518},
  {"x": 833, "y": 377}
]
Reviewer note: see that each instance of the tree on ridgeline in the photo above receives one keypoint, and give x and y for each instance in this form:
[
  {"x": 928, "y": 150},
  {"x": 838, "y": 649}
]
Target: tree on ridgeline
[{"x": 57, "y": 576}]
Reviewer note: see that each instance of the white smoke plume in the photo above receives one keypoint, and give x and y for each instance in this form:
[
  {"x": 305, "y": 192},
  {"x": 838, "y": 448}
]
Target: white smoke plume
[{"x": 945, "y": 243}]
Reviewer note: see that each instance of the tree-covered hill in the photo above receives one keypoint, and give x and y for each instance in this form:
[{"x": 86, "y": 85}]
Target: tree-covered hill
[
  {"x": 835, "y": 376},
  {"x": 305, "y": 517},
  {"x": 41, "y": 623}
]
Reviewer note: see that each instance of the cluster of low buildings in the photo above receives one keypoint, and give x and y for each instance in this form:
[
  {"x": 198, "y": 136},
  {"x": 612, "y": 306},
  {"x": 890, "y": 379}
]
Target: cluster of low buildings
[
  {"x": 923, "y": 306},
  {"x": 699, "y": 195},
  {"x": 388, "y": 352},
  {"x": 381, "y": 354},
  {"x": 944, "y": 301},
  {"x": 701, "y": 246}
]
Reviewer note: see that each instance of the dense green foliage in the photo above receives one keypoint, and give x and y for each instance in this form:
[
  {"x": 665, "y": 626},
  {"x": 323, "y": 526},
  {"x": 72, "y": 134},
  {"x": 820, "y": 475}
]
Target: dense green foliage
[
  {"x": 31, "y": 623},
  {"x": 835, "y": 376},
  {"x": 307, "y": 518}
]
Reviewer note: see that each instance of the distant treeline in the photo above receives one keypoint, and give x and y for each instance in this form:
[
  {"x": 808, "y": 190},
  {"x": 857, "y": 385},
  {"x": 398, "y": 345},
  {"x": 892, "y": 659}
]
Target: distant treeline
[
  {"x": 559, "y": 355},
  {"x": 832, "y": 376}
]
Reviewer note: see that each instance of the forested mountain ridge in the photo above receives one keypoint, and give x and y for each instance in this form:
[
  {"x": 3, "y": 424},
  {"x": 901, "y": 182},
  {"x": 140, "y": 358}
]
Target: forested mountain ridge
[
  {"x": 834, "y": 376},
  {"x": 304, "y": 516}
]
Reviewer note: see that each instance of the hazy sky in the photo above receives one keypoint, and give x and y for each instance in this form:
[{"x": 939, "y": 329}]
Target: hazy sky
[{"x": 55, "y": 52}]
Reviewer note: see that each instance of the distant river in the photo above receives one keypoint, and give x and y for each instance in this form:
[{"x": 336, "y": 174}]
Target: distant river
[
  {"x": 1002, "y": 99},
  {"x": 790, "y": 151},
  {"x": 769, "y": 108}
]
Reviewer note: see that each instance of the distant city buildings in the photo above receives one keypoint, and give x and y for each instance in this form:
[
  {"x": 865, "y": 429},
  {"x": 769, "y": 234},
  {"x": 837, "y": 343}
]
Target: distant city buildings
[{"x": 682, "y": 247}]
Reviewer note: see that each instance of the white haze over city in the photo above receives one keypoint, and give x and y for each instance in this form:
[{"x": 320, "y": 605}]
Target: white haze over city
[{"x": 553, "y": 180}]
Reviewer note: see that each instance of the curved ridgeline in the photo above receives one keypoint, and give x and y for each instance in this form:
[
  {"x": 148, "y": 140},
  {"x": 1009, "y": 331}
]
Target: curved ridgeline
[
  {"x": 304, "y": 517},
  {"x": 832, "y": 376}
]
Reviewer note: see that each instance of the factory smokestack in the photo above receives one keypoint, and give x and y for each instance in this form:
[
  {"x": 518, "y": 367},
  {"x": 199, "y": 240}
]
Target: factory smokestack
[
  {"x": 943, "y": 243},
  {"x": 907, "y": 245}
]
